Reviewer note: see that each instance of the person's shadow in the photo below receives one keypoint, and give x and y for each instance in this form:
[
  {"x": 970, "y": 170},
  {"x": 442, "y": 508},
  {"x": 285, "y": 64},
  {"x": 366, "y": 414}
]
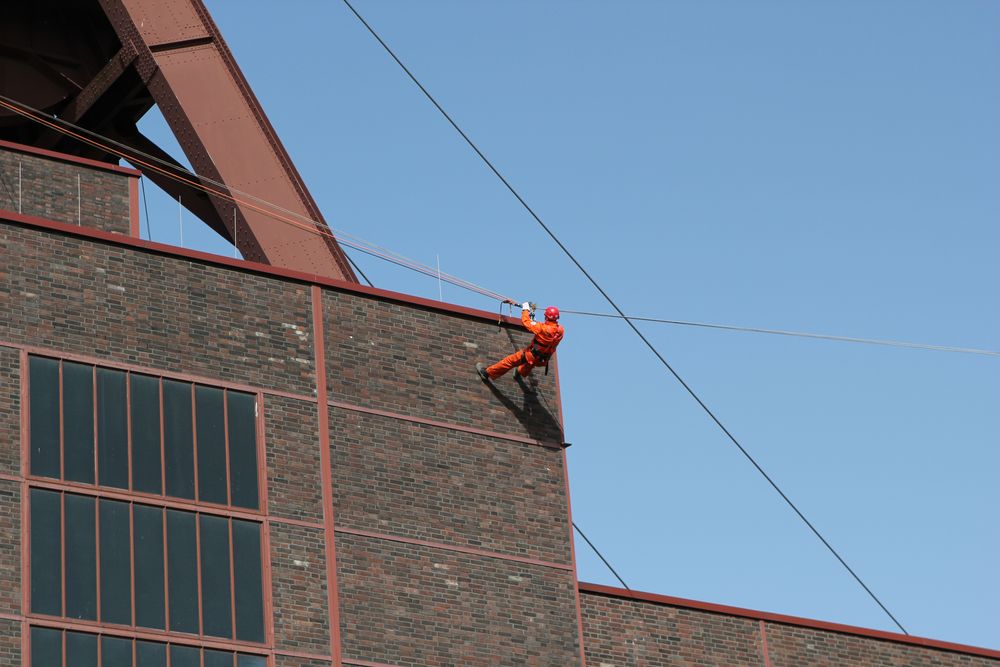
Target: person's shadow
[{"x": 529, "y": 405}]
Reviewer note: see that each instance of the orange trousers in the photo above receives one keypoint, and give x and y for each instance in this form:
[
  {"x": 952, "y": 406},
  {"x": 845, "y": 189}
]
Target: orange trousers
[{"x": 522, "y": 359}]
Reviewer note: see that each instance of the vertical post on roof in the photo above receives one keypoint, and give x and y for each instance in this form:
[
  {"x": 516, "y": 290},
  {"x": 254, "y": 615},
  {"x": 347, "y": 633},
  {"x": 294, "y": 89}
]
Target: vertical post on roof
[
  {"x": 19, "y": 187},
  {"x": 440, "y": 293},
  {"x": 236, "y": 248},
  {"x": 180, "y": 219},
  {"x": 79, "y": 217}
]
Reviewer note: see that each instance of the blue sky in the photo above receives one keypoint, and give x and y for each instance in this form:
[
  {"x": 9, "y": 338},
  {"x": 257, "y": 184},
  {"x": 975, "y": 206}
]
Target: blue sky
[{"x": 818, "y": 166}]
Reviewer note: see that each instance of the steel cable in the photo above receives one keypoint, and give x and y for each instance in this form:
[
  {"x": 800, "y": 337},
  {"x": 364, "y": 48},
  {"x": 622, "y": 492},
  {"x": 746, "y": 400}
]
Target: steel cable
[{"x": 628, "y": 321}]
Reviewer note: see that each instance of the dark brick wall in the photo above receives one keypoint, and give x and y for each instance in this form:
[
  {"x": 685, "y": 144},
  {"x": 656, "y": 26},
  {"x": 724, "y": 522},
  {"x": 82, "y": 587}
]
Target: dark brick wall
[
  {"x": 167, "y": 313},
  {"x": 624, "y": 632},
  {"x": 620, "y": 632},
  {"x": 10, "y": 547},
  {"x": 10, "y": 643},
  {"x": 49, "y": 190},
  {"x": 294, "y": 488},
  {"x": 10, "y": 410},
  {"x": 414, "y": 606},
  {"x": 421, "y": 363},
  {"x": 791, "y": 646},
  {"x": 299, "y": 593},
  {"x": 290, "y": 661},
  {"x": 430, "y": 483}
]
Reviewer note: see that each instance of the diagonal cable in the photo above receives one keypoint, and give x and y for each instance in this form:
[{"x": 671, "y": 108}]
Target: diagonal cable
[
  {"x": 628, "y": 321},
  {"x": 601, "y": 556}
]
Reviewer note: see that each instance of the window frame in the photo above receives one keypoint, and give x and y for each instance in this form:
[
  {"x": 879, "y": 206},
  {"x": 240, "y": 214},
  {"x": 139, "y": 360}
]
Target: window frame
[{"x": 160, "y": 501}]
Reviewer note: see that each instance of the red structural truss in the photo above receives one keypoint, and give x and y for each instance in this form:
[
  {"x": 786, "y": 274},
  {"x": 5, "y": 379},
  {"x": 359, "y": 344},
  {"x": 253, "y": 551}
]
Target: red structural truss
[{"x": 102, "y": 64}]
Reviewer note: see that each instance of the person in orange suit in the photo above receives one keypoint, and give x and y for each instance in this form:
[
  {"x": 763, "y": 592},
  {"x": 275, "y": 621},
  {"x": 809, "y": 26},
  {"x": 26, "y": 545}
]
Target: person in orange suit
[{"x": 548, "y": 335}]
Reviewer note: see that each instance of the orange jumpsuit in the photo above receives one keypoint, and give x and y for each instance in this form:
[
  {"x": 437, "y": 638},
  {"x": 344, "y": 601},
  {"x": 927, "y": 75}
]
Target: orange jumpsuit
[{"x": 547, "y": 336}]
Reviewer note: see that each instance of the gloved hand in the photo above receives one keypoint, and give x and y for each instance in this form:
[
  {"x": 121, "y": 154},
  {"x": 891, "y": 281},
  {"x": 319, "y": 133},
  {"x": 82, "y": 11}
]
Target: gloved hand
[{"x": 525, "y": 306}]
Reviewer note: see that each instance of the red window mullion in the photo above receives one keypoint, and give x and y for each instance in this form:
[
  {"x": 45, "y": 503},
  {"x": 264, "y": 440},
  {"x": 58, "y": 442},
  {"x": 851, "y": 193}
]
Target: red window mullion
[
  {"x": 62, "y": 549},
  {"x": 97, "y": 554},
  {"x": 62, "y": 428},
  {"x": 194, "y": 442},
  {"x": 163, "y": 456},
  {"x": 128, "y": 426},
  {"x": 93, "y": 391},
  {"x": 166, "y": 573},
  {"x": 197, "y": 546},
  {"x": 225, "y": 431},
  {"x": 131, "y": 557},
  {"x": 232, "y": 578},
  {"x": 62, "y": 636}
]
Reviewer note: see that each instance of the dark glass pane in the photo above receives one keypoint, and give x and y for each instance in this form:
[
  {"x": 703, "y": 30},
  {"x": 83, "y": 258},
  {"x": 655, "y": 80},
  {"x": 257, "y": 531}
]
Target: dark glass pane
[
  {"x": 46, "y": 553},
  {"x": 178, "y": 445},
  {"x": 184, "y": 656},
  {"x": 216, "y": 602},
  {"x": 78, "y": 422},
  {"x": 211, "y": 444},
  {"x": 150, "y": 608},
  {"x": 248, "y": 576},
  {"x": 218, "y": 658},
  {"x": 115, "y": 652},
  {"x": 46, "y": 647},
  {"x": 148, "y": 654},
  {"x": 81, "y": 558},
  {"x": 145, "y": 433},
  {"x": 243, "y": 449},
  {"x": 112, "y": 429},
  {"x": 43, "y": 378},
  {"x": 81, "y": 649},
  {"x": 182, "y": 571},
  {"x": 251, "y": 661},
  {"x": 116, "y": 568}
]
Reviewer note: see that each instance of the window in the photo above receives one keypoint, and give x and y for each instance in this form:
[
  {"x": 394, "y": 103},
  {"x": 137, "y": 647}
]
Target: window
[
  {"x": 194, "y": 573},
  {"x": 143, "y": 504},
  {"x": 48, "y": 646},
  {"x": 124, "y": 430}
]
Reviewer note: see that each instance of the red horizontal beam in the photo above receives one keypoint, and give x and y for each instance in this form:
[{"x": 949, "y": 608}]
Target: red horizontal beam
[
  {"x": 611, "y": 591},
  {"x": 63, "y": 157},
  {"x": 249, "y": 267}
]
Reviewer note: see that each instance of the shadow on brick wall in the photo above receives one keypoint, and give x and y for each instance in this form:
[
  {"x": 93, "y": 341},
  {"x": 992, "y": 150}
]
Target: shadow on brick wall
[{"x": 527, "y": 401}]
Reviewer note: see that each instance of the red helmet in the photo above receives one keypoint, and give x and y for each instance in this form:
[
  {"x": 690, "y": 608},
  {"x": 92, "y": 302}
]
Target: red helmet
[{"x": 551, "y": 314}]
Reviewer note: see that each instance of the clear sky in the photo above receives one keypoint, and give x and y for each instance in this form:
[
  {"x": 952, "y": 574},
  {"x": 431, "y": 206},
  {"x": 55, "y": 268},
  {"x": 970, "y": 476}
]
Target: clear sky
[{"x": 827, "y": 166}]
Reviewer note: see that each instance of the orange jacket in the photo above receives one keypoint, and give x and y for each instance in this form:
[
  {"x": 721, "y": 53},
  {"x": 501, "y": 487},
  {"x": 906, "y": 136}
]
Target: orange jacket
[{"x": 547, "y": 336}]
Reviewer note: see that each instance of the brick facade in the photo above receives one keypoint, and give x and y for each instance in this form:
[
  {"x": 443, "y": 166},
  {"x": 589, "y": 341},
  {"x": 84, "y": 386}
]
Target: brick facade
[
  {"x": 623, "y": 630},
  {"x": 418, "y": 362},
  {"x": 49, "y": 189},
  {"x": 299, "y": 585},
  {"x": 469, "y": 477},
  {"x": 431, "y": 483},
  {"x": 10, "y": 547},
  {"x": 412, "y": 606},
  {"x": 790, "y": 645},
  {"x": 449, "y": 500},
  {"x": 10, "y": 411},
  {"x": 294, "y": 481},
  {"x": 106, "y": 301},
  {"x": 10, "y": 642},
  {"x": 620, "y": 633}
]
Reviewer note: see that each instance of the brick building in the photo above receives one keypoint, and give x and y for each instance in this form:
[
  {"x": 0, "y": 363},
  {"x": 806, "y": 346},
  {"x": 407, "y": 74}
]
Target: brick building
[{"x": 212, "y": 462}]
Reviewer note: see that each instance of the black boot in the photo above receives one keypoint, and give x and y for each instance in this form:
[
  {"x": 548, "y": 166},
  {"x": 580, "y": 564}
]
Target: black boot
[{"x": 481, "y": 369}]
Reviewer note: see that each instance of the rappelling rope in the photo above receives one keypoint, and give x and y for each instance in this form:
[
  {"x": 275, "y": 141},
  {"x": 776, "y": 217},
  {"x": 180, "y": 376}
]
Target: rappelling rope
[{"x": 247, "y": 200}]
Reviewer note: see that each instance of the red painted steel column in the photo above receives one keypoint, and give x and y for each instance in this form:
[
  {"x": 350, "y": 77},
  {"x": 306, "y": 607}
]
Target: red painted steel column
[
  {"x": 569, "y": 513},
  {"x": 323, "y": 416},
  {"x": 763, "y": 644},
  {"x": 133, "y": 208}
]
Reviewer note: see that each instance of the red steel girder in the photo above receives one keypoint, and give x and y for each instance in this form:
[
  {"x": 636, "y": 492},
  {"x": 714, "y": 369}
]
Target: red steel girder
[{"x": 218, "y": 122}]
